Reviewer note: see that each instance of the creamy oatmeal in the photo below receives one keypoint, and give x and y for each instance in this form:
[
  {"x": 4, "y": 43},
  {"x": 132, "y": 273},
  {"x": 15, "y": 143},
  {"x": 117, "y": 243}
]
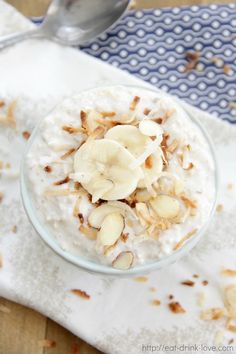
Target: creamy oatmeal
[{"x": 121, "y": 176}]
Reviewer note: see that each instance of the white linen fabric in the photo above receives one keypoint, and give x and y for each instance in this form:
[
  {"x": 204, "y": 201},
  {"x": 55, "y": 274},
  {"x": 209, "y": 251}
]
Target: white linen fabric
[{"x": 119, "y": 317}]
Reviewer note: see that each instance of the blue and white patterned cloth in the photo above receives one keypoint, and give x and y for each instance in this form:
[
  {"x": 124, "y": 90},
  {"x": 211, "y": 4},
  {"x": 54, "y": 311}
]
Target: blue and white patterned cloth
[{"x": 152, "y": 45}]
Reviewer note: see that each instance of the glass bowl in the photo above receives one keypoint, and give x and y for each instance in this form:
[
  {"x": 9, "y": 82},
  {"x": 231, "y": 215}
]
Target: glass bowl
[{"x": 99, "y": 268}]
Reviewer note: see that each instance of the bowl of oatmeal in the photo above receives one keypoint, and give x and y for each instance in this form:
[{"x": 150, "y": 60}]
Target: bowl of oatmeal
[{"x": 119, "y": 180}]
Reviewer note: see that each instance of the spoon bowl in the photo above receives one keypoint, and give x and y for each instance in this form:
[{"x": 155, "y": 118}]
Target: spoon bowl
[{"x": 73, "y": 22}]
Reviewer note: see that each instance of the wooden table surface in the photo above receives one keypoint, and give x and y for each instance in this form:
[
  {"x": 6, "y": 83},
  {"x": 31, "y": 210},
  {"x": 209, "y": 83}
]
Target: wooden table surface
[{"x": 22, "y": 329}]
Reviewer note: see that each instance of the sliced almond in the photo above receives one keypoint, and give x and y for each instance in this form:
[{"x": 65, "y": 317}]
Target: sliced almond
[
  {"x": 111, "y": 229},
  {"x": 89, "y": 232},
  {"x": 98, "y": 214},
  {"x": 213, "y": 314},
  {"x": 100, "y": 187},
  {"x": 123, "y": 261},
  {"x": 165, "y": 206},
  {"x": 230, "y": 300}
]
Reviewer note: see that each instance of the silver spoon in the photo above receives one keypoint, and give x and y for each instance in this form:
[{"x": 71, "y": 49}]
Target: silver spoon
[{"x": 72, "y": 22}]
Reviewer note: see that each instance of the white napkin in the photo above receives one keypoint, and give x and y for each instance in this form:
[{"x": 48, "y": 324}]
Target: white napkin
[{"x": 119, "y": 317}]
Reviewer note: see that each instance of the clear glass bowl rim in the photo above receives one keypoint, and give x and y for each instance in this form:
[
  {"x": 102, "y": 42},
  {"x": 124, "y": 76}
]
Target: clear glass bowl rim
[{"x": 89, "y": 265}]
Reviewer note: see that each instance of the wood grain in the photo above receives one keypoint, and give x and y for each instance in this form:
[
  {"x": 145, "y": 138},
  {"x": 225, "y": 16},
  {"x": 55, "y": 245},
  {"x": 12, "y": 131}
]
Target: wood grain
[{"x": 22, "y": 328}]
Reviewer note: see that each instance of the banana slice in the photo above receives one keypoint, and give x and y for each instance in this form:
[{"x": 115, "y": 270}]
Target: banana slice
[
  {"x": 129, "y": 137},
  {"x": 136, "y": 142},
  {"x": 111, "y": 229},
  {"x": 104, "y": 167}
]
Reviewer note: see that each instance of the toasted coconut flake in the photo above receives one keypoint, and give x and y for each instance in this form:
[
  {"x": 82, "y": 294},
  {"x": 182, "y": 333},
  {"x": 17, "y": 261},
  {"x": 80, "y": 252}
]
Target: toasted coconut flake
[
  {"x": 10, "y": 114},
  {"x": 219, "y": 208},
  {"x": 14, "y": 229},
  {"x": 88, "y": 231},
  {"x": 175, "y": 307},
  {"x": 98, "y": 132},
  {"x": 146, "y": 111},
  {"x": 173, "y": 146},
  {"x": 123, "y": 261},
  {"x": 230, "y": 327},
  {"x": 1, "y": 197},
  {"x": 2, "y": 103},
  {"x": 230, "y": 300},
  {"x": 62, "y": 181},
  {"x": 26, "y": 135},
  {"x": 143, "y": 214},
  {"x": 81, "y": 293},
  {"x": 81, "y": 218},
  {"x": 76, "y": 210},
  {"x": 68, "y": 153},
  {"x": 124, "y": 237},
  {"x": 108, "y": 124},
  {"x": 4, "y": 309},
  {"x": 201, "y": 299},
  {"x": 48, "y": 169},
  {"x": 193, "y": 59},
  {"x": 149, "y": 162},
  {"x": 188, "y": 202},
  {"x": 205, "y": 282},
  {"x": 188, "y": 283},
  {"x": 156, "y": 302},
  {"x": 47, "y": 343},
  {"x": 230, "y": 186},
  {"x": 134, "y": 103},
  {"x": 73, "y": 130},
  {"x": 189, "y": 167},
  {"x": 59, "y": 192},
  {"x": 229, "y": 272},
  {"x": 77, "y": 185},
  {"x": 227, "y": 70},
  {"x": 195, "y": 276},
  {"x": 171, "y": 297},
  {"x": 184, "y": 239},
  {"x": 141, "y": 279},
  {"x": 108, "y": 114},
  {"x": 83, "y": 117},
  {"x": 214, "y": 314}
]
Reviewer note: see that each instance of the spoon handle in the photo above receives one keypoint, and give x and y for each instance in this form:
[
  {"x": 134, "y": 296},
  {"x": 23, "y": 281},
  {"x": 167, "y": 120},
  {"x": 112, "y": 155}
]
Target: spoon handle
[{"x": 9, "y": 40}]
